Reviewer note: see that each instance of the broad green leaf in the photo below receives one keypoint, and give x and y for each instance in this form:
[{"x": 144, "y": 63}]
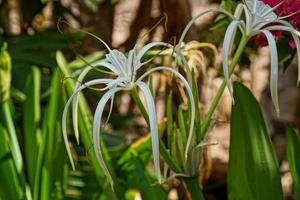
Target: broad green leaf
[
  {"x": 293, "y": 155},
  {"x": 31, "y": 118},
  {"x": 253, "y": 171}
]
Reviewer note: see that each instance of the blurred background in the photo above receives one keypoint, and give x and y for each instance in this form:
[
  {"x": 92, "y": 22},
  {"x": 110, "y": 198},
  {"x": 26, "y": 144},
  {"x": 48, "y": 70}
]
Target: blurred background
[{"x": 35, "y": 30}]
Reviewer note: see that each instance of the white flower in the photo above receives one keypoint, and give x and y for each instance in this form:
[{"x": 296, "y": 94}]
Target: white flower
[
  {"x": 124, "y": 68},
  {"x": 259, "y": 19}
]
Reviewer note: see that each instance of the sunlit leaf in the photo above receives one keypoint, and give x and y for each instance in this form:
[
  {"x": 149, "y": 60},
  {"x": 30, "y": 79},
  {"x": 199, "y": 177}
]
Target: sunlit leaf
[
  {"x": 293, "y": 155},
  {"x": 253, "y": 171}
]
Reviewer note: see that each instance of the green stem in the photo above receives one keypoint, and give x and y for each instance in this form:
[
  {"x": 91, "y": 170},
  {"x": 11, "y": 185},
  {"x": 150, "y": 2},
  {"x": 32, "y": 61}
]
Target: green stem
[
  {"x": 215, "y": 103},
  {"x": 193, "y": 187}
]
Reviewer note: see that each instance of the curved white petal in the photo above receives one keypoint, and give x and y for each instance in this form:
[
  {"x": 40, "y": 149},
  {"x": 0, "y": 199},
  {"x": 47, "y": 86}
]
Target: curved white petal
[
  {"x": 75, "y": 101},
  {"x": 191, "y": 22},
  {"x": 227, "y": 47},
  {"x": 107, "y": 65},
  {"x": 274, "y": 68},
  {"x": 153, "y": 127},
  {"x": 97, "y": 132},
  {"x": 190, "y": 93},
  {"x": 295, "y": 34},
  {"x": 64, "y": 116},
  {"x": 149, "y": 46},
  {"x": 238, "y": 11}
]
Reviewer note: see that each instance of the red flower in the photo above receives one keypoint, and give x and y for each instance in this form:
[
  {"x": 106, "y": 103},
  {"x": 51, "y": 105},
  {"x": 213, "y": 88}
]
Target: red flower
[{"x": 288, "y": 8}]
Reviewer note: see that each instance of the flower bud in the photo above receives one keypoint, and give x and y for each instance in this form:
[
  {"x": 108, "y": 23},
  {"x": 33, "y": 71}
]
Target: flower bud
[{"x": 5, "y": 73}]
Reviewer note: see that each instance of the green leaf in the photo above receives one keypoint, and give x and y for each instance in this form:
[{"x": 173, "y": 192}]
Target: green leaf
[
  {"x": 52, "y": 157},
  {"x": 7, "y": 120},
  {"x": 31, "y": 119},
  {"x": 293, "y": 155},
  {"x": 169, "y": 119},
  {"x": 182, "y": 126},
  {"x": 253, "y": 171},
  {"x": 10, "y": 187}
]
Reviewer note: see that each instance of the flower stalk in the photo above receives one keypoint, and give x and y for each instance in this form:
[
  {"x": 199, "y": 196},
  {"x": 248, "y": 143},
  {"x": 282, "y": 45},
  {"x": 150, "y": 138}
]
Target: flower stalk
[{"x": 216, "y": 100}]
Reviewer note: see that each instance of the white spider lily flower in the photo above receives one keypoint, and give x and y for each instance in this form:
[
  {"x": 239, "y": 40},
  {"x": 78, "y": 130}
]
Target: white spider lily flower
[
  {"x": 124, "y": 68},
  {"x": 260, "y": 18}
]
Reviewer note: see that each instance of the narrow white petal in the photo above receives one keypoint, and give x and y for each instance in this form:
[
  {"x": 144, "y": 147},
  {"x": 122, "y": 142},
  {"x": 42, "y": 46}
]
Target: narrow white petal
[
  {"x": 64, "y": 116},
  {"x": 153, "y": 127},
  {"x": 274, "y": 69},
  {"x": 75, "y": 101},
  {"x": 296, "y": 34},
  {"x": 238, "y": 11},
  {"x": 97, "y": 132},
  {"x": 146, "y": 48},
  {"x": 297, "y": 42},
  {"x": 249, "y": 19},
  {"x": 107, "y": 65},
  {"x": 149, "y": 46},
  {"x": 130, "y": 62},
  {"x": 190, "y": 93},
  {"x": 191, "y": 22},
  {"x": 227, "y": 47},
  {"x": 118, "y": 60}
]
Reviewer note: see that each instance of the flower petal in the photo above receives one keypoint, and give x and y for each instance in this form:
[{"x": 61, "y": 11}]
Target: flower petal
[
  {"x": 97, "y": 132},
  {"x": 118, "y": 60},
  {"x": 146, "y": 48},
  {"x": 191, "y": 97},
  {"x": 64, "y": 116},
  {"x": 274, "y": 69},
  {"x": 227, "y": 47},
  {"x": 295, "y": 35},
  {"x": 153, "y": 127},
  {"x": 75, "y": 101},
  {"x": 107, "y": 65}
]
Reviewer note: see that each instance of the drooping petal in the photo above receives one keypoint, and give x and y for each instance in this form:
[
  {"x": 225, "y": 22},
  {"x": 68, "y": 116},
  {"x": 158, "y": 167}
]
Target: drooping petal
[
  {"x": 192, "y": 21},
  {"x": 149, "y": 46},
  {"x": 274, "y": 69},
  {"x": 153, "y": 126},
  {"x": 146, "y": 48},
  {"x": 295, "y": 35},
  {"x": 97, "y": 131},
  {"x": 75, "y": 101},
  {"x": 227, "y": 47},
  {"x": 64, "y": 116},
  {"x": 191, "y": 97}
]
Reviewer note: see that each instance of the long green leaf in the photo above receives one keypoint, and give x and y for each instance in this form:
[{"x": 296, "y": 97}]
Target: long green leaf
[
  {"x": 10, "y": 187},
  {"x": 253, "y": 171},
  {"x": 52, "y": 157},
  {"x": 31, "y": 119},
  {"x": 7, "y": 119},
  {"x": 293, "y": 155}
]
